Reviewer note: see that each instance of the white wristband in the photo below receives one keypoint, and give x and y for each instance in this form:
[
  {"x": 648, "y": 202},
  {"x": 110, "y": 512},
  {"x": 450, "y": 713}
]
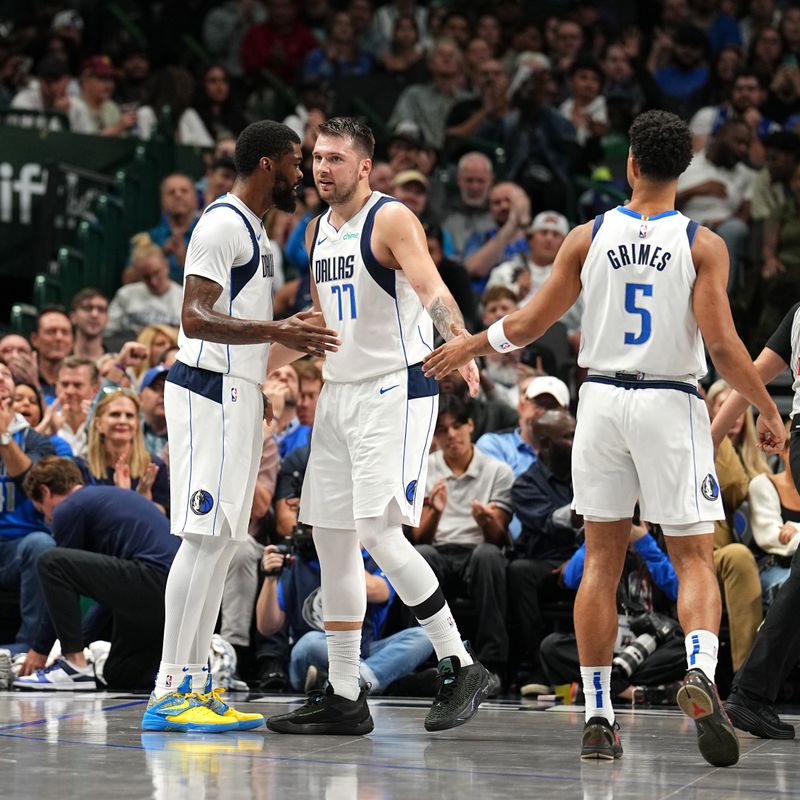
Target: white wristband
[{"x": 498, "y": 339}]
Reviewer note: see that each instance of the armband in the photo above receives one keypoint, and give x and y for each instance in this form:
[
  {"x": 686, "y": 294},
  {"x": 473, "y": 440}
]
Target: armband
[{"x": 498, "y": 339}]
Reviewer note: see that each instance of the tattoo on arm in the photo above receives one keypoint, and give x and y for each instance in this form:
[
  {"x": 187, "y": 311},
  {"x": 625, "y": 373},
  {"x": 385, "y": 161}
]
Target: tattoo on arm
[{"x": 444, "y": 312}]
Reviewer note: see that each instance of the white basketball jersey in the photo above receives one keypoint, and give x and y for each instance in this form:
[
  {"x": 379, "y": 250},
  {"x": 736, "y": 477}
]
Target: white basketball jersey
[
  {"x": 637, "y": 280},
  {"x": 380, "y": 320},
  {"x": 230, "y": 247}
]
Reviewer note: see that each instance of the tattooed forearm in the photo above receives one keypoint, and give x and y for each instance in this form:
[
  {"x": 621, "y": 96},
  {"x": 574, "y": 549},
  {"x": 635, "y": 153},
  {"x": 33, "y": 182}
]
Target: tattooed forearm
[{"x": 444, "y": 312}]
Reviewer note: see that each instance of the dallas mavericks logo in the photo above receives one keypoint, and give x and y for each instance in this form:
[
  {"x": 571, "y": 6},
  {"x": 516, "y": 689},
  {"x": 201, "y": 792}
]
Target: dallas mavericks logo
[
  {"x": 411, "y": 491},
  {"x": 709, "y": 487},
  {"x": 202, "y": 502}
]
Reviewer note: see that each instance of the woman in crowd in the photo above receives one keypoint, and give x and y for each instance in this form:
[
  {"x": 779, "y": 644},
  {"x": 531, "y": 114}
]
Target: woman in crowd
[
  {"x": 28, "y": 402},
  {"x": 157, "y": 339}
]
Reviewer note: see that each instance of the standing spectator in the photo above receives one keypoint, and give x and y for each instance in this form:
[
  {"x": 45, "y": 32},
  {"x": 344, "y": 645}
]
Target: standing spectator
[
  {"x": 52, "y": 341},
  {"x": 94, "y": 110},
  {"x": 339, "y": 56},
  {"x": 224, "y": 28},
  {"x": 178, "y": 218},
  {"x": 23, "y": 533},
  {"x": 89, "y": 315},
  {"x": 151, "y": 403},
  {"x": 218, "y": 109},
  {"x": 427, "y": 104},
  {"x": 280, "y": 44},
  {"x": 469, "y": 214},
  {"x": 153, "y": 299},
  {"x": 114, "y": 547},
  {"x": 463, "y": 527}
]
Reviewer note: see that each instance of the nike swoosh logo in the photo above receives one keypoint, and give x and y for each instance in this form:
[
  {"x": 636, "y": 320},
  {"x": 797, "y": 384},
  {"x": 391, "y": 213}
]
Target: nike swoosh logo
[
  {"x": 186, "y": 669},
  {"x": 175, "y": 709},
  {"x": 258, "y": 238},
  {"x": 320, "y": 241},
  {"x": 389, "y": 388}
]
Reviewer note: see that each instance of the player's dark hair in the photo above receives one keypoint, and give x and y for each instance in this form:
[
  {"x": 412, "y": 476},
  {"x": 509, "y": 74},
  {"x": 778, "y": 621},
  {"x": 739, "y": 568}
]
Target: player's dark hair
[
  {"x": 458, "y": 407},
  {"x": 661, "y": 143},
  {"x": 349, "y": 127},
  {"x": 262, "y": 139}
]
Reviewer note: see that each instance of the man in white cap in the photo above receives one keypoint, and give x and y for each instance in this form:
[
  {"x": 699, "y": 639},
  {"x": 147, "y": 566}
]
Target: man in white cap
[{"x": 525, "y": 275}]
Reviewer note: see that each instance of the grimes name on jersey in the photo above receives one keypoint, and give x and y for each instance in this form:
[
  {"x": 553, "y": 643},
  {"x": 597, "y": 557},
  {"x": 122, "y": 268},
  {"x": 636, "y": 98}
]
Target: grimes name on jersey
[
  {"x": 334, "y": 268},
  {"x": 638, "y": 254}
]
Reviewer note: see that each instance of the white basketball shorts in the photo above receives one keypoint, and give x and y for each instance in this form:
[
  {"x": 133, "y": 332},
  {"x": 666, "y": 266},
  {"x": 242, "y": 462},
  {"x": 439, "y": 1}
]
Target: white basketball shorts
[
  {"x": 216, "y": 434},
  {"x": 370, "y": 446},
  {"x": 651, "y": 445}
]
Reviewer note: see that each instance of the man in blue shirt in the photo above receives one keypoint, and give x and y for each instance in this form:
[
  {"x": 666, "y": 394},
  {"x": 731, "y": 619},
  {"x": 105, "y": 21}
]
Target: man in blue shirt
[{"x": 114, "y": 546}]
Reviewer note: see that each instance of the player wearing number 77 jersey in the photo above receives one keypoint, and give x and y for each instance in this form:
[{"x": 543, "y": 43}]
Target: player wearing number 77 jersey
[
  {"x": 653, "y": 281},
  {"x": 376, "y": 284}
]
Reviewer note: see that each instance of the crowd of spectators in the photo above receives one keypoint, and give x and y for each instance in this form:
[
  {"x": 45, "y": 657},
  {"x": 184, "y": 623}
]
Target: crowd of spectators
[{"x": 501, "y": 127}]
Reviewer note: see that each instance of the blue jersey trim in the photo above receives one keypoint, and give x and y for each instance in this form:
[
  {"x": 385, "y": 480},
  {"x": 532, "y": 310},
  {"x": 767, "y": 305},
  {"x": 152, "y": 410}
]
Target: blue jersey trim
[
  {"x": 241, "y": 275},
  {"x": 419, "y": 385},
  {"x": 691, "y": 230},
  {"x": 313, "y": 245},
  {"x": 598, "y": 221},
  {"x": 383, "y": 276},
  {"x": 636, "y": 215},
  {"x": 201, "y": 381},
  {"x": 634, "y": 384}
]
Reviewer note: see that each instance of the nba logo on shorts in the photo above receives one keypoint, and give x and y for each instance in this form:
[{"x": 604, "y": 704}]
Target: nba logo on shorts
[
  {"x": 202, "y": 502},
  {"x": 234, "y": 394},
  {"x": 709, "y": 487}
]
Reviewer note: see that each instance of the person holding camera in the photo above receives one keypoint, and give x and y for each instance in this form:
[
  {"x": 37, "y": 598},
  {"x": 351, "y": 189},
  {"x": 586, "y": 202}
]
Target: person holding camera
[
  {"x": 649, "y": 650},
  {"x": 291, "y": 594}
]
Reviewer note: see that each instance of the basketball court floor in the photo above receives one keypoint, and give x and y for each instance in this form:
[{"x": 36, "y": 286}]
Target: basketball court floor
[{"x": 90, "y": 746}]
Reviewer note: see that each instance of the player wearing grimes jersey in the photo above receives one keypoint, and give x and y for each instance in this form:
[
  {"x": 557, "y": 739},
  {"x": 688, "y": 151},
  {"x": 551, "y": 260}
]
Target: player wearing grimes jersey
[
  {"x": 374, "y": 280},
  {"x": 643, "y": 431}
]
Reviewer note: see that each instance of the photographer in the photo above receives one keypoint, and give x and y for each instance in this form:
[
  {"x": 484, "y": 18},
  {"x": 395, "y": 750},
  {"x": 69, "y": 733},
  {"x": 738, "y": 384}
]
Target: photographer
[
  {"x": 291, "y": 594},
  {"x": 650, "y": 649}
]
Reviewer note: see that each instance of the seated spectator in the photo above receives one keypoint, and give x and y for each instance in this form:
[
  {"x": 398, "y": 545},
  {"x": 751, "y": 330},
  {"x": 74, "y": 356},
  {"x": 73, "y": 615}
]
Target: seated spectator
[
  {"x": 404, "y": 58},
  {"x": 132, "y": 75},
  {"x": 380, "y": 177},
  {"x": 89, "y": 316},
  {"x": 94, "y": 111},
  {"x": 510, "y": 209},
  {"x": 486, "y": 414},
  {"x": 747, "y": 98},
  {"x": 23, "y": 533},
  {"x": 178, "y": 218},
  {"x": 117, "y": 455},
  {"x": 715, "y": 191},
  {"x": 151, "y": 403},
  {"x": 411, "y": 187},
  {"x": 646, "y": 565},
  {"x": 463, "y": 528},
  {"x": 153, "y": 299},
  {"x": 541, "y": 497},
  {"x": 156, "y": 338},
  {"x": 775, "y": 523},
  {"x": 29, "y": 404},
  {"x": 724, "y": 68},
  {"x": 680, "y": 65},
  {"x": 500, "y": 371},
  {"x": 454, "y": 275},
  {"x": 585, "y": 107},
  {"x": 68, "y": 416},
  {"x": 771, "y": 185},
  {"x": 218, "y": 109},
  {"x": 427, "y": 104},
  {"x": 17, "y": 353},
  {"x": 282, "y": 388},
  {"x": 628, "y": 81},
  {"x": 291, "y": 594},
  {"x": 52, "y": 340},
  {"x": 339, "y": 56},
  {"x": 476, "y": 53},
  {"x": 114, "y": 547},
  {"x": 46, "y": 93},
  {"x": 468, "y": 215},
  {"x": 220, "y": 175}
]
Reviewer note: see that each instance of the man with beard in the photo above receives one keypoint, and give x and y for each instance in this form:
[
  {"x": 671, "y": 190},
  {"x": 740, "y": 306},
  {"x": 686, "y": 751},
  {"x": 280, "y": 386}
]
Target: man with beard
[
  {"x": 214, "y": 410},
  {"x": 373, "y": 277}
]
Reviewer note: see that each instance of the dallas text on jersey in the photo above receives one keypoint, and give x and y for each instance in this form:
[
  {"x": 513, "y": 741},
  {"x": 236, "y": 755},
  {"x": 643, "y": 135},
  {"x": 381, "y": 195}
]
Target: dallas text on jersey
[{"x": 334, "y": 269}]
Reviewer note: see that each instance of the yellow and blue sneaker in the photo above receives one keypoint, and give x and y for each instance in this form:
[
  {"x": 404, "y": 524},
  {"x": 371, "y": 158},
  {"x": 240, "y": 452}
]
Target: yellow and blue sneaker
[
  {"x": 178, "y": 711},
  {"x": 214, "y": 701}
]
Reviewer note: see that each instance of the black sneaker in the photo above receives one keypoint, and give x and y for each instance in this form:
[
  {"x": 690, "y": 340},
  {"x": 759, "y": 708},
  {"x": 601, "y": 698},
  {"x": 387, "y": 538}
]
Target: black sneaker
[
  {"x": 601, "y": 740},
  {"x": 716, "y": 737},
  {"x": 326, "y": 713},
  {"x": 461, "y": 691},
  {"x": 272, "y": 676},
  {"x": 757, "y": 718}
]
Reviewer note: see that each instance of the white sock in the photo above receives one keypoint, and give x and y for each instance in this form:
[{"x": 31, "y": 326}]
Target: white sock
[
  {"x": 701, "y": 652},
  {"x": 445, "y": 638},
  {"x": 344, "y": 660},
  {"x": 597, "y": 691},
  {"x": 171, "y": 678}
]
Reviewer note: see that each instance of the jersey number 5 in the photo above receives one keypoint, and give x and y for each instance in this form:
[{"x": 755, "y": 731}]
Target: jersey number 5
[
  {"x": 338, "y": 292},
  {"x": 646, "y": 290}
]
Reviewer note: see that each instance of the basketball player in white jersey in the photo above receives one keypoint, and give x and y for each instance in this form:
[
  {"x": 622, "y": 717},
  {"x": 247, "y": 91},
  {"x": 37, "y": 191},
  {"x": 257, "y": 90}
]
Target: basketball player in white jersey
[
  {"x": 373, "y": 279},
  {"x": 653, "y": 281},
  {"x": 214, "y": 409}
]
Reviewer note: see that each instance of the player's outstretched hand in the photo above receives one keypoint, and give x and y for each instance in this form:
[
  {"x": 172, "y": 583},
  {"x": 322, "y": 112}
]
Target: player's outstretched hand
[
  {"x": 454, "y": 355},
  {"x": 305, "y": 333},
  {"x": 771, "y": 432}
]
